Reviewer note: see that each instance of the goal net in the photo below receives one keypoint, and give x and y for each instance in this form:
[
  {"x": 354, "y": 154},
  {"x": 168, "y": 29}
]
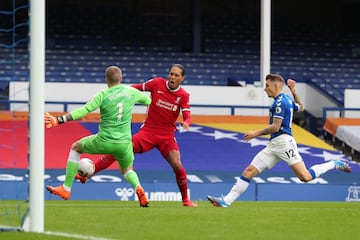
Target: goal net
[{"x": 14, "y": 62}]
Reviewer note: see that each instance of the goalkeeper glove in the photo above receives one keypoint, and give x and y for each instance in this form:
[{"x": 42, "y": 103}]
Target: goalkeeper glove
[{"x": 51, "y": 121}]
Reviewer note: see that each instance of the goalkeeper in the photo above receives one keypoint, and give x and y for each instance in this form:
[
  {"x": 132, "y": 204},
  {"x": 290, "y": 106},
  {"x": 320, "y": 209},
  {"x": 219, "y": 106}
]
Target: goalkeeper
[{"x": 114, "y": 137}]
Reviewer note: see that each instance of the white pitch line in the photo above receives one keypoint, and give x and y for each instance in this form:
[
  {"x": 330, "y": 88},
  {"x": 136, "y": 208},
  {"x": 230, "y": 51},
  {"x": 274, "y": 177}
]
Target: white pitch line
[{"x": 77, "y": 236}]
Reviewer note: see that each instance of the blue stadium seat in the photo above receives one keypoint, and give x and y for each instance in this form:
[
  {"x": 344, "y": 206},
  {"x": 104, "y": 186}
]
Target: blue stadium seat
[{"x": 229, "y": 49}]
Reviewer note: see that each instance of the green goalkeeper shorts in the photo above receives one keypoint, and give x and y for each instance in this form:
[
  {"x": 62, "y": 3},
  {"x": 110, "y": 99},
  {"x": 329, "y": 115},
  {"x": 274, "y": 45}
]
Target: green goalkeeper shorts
[{"x": 122, "y": 152}]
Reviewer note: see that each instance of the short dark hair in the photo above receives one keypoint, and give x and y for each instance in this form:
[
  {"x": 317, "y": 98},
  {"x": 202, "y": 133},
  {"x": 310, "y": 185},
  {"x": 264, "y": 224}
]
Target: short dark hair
[
  {"x": 179, "y": 66},
  {"x": 275, "y": 77}
]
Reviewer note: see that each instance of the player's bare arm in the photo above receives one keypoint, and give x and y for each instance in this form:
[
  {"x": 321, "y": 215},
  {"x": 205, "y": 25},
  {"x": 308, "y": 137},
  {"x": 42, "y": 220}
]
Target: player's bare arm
[
  {"x": 291, "y": 84},
  {"x": 272, "y": 128},
  {"x": 185, "y": 125}
]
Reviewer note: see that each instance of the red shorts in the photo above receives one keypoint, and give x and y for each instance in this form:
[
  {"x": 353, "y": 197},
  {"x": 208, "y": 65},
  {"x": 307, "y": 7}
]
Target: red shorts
[{"x": 144, "y": 141}]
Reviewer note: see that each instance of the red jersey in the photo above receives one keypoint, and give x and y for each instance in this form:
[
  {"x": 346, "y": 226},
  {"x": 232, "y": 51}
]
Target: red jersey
[{"x": 165, "y": 106}]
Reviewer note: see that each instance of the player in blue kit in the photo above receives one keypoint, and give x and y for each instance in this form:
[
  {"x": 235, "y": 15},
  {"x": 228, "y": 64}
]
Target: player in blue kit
[{"x": 282, "y": 145}]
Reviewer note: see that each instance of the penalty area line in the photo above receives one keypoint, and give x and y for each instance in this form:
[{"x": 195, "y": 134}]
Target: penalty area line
[{"x": 77, "y": 236}]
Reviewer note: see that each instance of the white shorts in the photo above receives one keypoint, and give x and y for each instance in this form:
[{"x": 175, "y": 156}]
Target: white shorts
[{"x": 282, "y": 147}]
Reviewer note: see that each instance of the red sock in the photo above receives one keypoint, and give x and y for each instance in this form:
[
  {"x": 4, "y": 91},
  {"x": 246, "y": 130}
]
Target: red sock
[
  {"x": 104, "y": 162},
  {"x": 182, "y": 183}
]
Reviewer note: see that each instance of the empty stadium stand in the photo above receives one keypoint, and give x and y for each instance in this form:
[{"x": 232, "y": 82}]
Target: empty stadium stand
[
  {"x": 78, "y": 49},
  {"x": 93, "y": 36}
]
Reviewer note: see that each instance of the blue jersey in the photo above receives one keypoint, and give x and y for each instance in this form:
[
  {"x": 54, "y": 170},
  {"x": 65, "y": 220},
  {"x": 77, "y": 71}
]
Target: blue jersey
[{"x": 283, "y": 107}]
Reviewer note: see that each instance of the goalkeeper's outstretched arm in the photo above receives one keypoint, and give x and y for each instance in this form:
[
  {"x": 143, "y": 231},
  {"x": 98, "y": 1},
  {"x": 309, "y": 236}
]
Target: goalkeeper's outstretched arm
[{"x": 51, "y": 121}]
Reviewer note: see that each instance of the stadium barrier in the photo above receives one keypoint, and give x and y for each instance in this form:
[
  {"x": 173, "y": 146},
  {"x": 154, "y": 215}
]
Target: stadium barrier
[
  {"x": 342, "y": 130},
  {"x": 111, "y": 187}
]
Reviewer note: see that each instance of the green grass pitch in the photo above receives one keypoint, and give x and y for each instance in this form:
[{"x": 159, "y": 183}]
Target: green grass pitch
[{"x": 169, "y": 220}]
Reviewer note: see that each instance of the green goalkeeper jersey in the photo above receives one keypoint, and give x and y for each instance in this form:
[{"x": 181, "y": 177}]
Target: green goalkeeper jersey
[{"x": 116, "y": 105}]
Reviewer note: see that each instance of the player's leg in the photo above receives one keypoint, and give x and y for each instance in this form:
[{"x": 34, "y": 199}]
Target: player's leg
[
  {"x": 144, "y": 141},
  {"x": 286, "y": 147},
  {"x": 302, "y": 172},
  {"x": 263, "y": 160},
  {"x": 169, "y": 149},
  {"x": 100, "y": 164},
  {"x": 103, "y": 162},
  {"x": 242, "y": 184},
  {"x": 339, "y": 165},
  {"x": 141, "y": 143},
  {"x": 295, "y": 161},
  {"x": 72, "y": 166},
  {"x": 125, "y": 158},
  {"x": 173, "y": 158},
  {"x": 317, "y": 170}
]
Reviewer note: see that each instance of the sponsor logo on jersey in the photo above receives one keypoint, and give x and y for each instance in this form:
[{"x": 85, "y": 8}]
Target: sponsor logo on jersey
[{"x": 166, "y": 105}]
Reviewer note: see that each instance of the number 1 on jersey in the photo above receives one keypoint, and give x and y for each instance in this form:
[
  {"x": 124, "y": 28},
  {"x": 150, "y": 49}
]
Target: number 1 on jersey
[{"x": 120, "y": 110}]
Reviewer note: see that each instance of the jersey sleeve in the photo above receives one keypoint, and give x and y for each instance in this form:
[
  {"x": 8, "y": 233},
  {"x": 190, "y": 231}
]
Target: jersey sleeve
[
  {"x": 279, "y": 109},
  {"x": 90, "y": 106},
  {"x": 146, "y": 86},
  {"x": 296, "y": 107},
  {"x": 142, "y": 98},
  {"x": 185, "y": 108},
  {"x": 187, "y": 117},
  {"x": 139, "y": 86}
]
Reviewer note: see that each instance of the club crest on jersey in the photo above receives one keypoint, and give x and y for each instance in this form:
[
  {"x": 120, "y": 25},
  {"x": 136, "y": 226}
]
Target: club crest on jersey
[{"x": 278, "y": 109}]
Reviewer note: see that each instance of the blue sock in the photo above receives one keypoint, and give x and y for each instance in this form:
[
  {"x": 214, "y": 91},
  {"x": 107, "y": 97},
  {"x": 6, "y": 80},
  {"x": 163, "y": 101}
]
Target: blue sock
[
  {"x": 312, "y": 172},
  {"x": 245, "y": 179}
]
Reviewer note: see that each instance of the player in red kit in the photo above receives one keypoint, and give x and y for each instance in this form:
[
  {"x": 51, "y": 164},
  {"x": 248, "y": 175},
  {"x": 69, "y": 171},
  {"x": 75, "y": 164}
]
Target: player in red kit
[{"x": 168, "y": 100}]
